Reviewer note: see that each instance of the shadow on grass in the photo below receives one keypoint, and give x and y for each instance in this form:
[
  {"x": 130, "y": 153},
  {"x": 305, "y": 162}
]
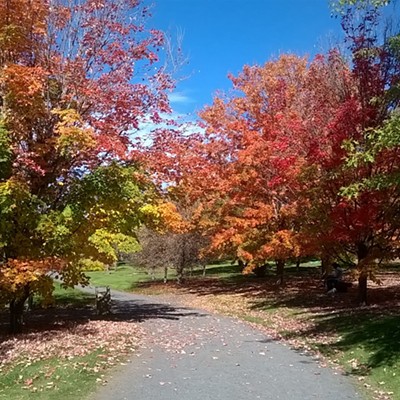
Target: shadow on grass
[
  {"x": 247, "y": 286},
  {"x": 72, "y": 298},
  {"x": 72, "y": 314},
  {"x": 225, "y": 269},
  {"x": 377, "y": 335},
  {"x": 300, "y": 291}
]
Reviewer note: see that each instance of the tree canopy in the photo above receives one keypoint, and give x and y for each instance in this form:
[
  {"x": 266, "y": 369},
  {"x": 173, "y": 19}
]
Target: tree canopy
[
  {"x": 273, "y": 170},
  {"x": 76, "y": 80}
]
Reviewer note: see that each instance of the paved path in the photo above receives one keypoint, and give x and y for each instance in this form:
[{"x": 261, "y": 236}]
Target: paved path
[{"x": 193, "y": 355}]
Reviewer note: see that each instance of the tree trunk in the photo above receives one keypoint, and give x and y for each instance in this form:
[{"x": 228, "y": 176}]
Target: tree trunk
[
  {"x": 260, "y": 271},
  {"x": 165, "y": 274},
  {"x": 179, "y": 275},
  {"x": 326, "y": 265},
  {"x": 181, "y": 265},
  {"x": 30, "y": 302},
  {"x": 362, "y": 289},
  {"x": 17, "y": 312},
  {"x": 298, "y": 262},
  {"x": 280, "y": 266},
  {"x": 204, "y": 269},
  {"x": 362, "y": 253}
]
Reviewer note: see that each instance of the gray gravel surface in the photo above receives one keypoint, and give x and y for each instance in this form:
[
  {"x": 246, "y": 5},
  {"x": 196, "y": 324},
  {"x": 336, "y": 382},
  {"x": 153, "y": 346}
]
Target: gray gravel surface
[{"x": 193, "y": 355}]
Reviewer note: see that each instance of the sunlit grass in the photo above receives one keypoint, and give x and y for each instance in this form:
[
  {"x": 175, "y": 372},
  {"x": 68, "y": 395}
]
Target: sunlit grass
[
  {"x": 124, "y": 278},
  {"x": 52, "y": 379}
]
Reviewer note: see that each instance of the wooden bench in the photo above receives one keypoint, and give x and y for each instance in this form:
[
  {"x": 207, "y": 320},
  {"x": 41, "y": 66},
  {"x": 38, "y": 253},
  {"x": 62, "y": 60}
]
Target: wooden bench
[{"x": 103, "y": 299}]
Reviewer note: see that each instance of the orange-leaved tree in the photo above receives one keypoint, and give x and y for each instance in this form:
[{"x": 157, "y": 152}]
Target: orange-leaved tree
[
  {"x": 259, "y": 140},
  {"x": 75, "y": 83}
]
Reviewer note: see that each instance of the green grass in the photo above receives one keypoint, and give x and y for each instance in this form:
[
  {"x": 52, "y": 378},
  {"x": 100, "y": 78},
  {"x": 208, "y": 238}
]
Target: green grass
[
  {"x": 368, "y": 346},
  {"x": 52, "y": 379},
  {"x": 124, "y": 278},
  {"x": 219, "y": 270},
  {"x": 71, "y": 297}
]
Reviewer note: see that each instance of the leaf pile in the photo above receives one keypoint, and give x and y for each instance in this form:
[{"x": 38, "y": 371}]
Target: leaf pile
[{"x": 69, "y": 341}]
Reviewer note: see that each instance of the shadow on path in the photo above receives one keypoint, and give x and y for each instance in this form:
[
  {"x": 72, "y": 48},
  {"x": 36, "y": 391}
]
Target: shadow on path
[
  {"x": 139, "y": 311},
  {"x": 123, "y": 308}
]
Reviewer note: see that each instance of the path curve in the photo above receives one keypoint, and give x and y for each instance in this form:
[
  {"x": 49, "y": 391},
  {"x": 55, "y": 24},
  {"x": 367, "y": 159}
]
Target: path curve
[{"x": 191, "y": 354}]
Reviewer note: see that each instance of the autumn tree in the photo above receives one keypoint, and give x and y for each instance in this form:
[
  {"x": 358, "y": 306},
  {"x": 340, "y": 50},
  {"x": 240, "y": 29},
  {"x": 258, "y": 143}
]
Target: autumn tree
[
  {"x": 76, "y": 80},
  {"x": 176, "y": 241},
  {"x": 255, "y": 148},
  {"x": 165, "y": 251},
  {"x": 366, "y": 225},
  {"x": 274, "y": 156},
  {"x": 285, "y": 139}
]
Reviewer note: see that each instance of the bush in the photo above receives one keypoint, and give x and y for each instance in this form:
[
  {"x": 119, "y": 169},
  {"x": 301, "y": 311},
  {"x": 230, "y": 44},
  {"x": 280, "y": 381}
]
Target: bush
[{"x": 88, "y": 264}]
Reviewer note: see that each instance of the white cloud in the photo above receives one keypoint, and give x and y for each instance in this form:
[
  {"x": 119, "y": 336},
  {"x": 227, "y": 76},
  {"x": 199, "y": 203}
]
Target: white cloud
[
  {"x": 184, "y": 123},
  {"x": 179, "y": 98}
]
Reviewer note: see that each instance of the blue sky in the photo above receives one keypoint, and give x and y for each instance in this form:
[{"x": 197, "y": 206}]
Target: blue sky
[{"x": 220, "y": 36}]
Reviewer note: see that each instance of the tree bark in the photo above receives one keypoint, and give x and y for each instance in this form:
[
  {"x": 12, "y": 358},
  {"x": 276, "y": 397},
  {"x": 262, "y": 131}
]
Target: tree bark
[
  {"x": 153, "y": 273},
  {"x": 165, "y": 274},
  {"x": 241, "y": 264},
  {"x": 298, "y": 262},
  {"x": 260, "y": 271},
  {"x": 362, "y": 253},
  {"x": 362, "y": 289},
  {"x": 280, "y": 266},
  {"x": 326, "y": 265},
  {"x": 17, "y": 311},
  {"x": 179, "y": 275}
]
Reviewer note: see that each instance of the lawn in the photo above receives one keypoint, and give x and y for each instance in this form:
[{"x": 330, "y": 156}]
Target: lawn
[
  {"x": 128, "y": 278},
  {"x": 124, "y": 278},
  {"x": 66, "y": 352},
  {"x": 364, "y": 342},
  {"x": 52, "y": 378},
  {"x": 71, "y": 297}
]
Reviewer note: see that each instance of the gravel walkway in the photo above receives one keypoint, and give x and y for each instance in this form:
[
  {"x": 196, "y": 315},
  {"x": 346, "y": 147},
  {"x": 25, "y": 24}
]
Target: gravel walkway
[{"x": 192, "y": 355}]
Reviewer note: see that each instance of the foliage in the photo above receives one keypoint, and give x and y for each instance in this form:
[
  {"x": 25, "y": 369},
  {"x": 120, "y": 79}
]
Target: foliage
[
  {"x": 266, "y": 175},
  {"x": 75, "y": 84},
  {"x": 5, "y": 152},
  {"x": 380, "y": 143},
  {"x": 87, "y": 264},
  {"x": 340, "y": 6}
]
